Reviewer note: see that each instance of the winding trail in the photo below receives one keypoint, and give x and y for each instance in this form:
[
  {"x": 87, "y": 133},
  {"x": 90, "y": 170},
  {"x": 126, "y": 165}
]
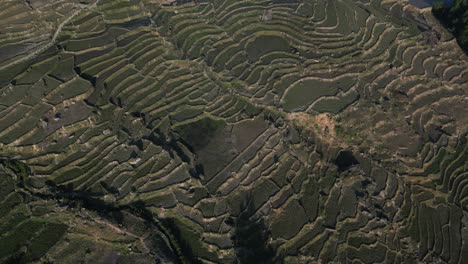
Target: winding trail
[{"x": 128, "y": 233}]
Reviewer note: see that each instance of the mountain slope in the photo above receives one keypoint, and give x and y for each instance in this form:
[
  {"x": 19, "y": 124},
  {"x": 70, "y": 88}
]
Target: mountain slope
[{"x": 337, "y": 127}]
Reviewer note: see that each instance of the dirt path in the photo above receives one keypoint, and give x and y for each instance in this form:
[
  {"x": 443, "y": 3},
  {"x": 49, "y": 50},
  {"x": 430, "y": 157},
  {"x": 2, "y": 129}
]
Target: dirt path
[{"x": 122, "y": 231}]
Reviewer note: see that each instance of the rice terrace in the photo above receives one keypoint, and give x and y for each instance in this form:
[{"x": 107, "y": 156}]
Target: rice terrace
[{"x": 233, "y": 131}]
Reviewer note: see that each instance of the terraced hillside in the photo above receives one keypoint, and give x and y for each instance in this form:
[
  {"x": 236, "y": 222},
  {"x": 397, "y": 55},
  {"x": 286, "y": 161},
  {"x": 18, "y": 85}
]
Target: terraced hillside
[{"x": 226, "y": 131}]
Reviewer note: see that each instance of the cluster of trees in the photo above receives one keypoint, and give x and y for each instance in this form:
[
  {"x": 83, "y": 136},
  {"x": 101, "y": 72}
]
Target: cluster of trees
[{"x": 455, "y": 18}]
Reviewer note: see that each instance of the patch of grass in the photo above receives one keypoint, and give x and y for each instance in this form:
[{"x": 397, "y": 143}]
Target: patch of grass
[
  {"x": 350, "y": 137},
  {"x": 264, "y": 44},
  {"x": 19, "y": 237},
  {"x": 45, "y": 240},
  {"x": 199, "y": 133},
  {"x": 187, "y": 238}
]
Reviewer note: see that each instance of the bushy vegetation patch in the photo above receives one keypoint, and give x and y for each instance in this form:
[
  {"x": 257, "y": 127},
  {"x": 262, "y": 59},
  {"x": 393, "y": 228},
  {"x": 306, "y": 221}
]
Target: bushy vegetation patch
[{"x": 455, "y": 18}]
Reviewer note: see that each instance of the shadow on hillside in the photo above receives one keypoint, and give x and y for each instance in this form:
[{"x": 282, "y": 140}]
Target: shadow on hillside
[{"x": 251, "y": 237}]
